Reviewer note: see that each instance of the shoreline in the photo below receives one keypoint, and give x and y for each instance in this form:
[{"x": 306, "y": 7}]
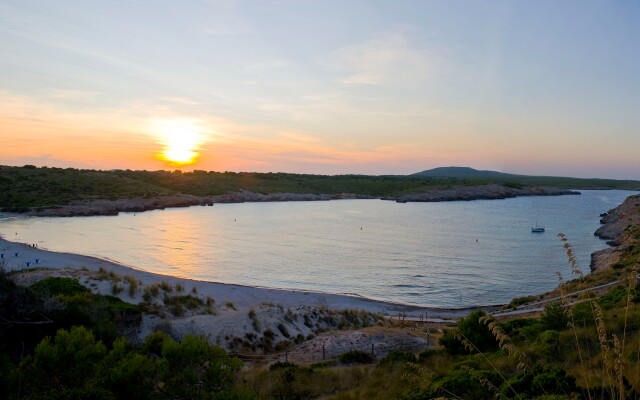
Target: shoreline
[
  {"x": 234, "y": 312},
  {"x": 246, "y": 297},
  {"x": 242, "y": 296},
  {"x": 456, "y": 193},
  {"x": 614, "y": 230}
]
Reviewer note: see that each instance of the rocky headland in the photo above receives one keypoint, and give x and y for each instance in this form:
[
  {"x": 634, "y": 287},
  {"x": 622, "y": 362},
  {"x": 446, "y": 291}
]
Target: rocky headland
[
  {"x": 483, "y": 192},
  {"x": 113, "y": 207},
  {"x": 621, "y": 229}
]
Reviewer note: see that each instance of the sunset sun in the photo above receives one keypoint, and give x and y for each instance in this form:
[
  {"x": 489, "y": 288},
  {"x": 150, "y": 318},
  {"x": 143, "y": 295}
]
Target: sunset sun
[{"x": 180, "y": 139}]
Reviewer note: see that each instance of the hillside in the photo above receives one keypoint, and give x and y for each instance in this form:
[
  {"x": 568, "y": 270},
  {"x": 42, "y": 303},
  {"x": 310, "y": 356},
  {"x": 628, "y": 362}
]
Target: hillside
[
  {"x": 471, "y": 174},
  {"x": 94, "y": 192},
  {"x": 461, "y": 172}
]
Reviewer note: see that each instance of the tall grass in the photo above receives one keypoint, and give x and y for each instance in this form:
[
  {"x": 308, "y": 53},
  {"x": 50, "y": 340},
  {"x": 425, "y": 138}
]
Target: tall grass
[{"x": 610, "y": 363}]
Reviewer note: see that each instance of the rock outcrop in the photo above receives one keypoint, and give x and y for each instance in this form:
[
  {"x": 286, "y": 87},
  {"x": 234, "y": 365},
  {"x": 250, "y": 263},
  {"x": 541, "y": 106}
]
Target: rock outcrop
[
  {"x": 484, "y": 192},
  {"x": 113, "y": 207},
  {"x": 619, "y": 226}
]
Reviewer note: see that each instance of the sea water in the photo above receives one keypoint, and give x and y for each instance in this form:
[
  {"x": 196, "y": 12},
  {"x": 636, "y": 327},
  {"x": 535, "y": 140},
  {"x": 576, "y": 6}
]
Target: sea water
[{"x": 447, "y": 254}]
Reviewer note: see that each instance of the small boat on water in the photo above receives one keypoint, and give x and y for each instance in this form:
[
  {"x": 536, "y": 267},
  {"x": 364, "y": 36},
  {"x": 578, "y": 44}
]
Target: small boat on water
[{"x": 537, "y": 229}]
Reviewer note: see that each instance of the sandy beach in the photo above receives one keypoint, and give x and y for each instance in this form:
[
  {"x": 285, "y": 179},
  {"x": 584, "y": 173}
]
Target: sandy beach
[
  {"x": 238, "y": 312},
  {"x": 243, "y": 297}
]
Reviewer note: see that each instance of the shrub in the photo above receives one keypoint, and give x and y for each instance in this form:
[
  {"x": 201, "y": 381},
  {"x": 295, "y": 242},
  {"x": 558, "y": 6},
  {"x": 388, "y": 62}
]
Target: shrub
[
  {"x": 425, "y": 355},
  {"x": 266, "y": 342},
  {"x": 323, "y": 364},
  {"x": 299, "y": 338},
  {"x": 547, "y": 344},
  {"x": 164, "y": 285},
  {"x": 472, "y": 330},
  {"x": 554, "y": 316},
  {"x": 283, "y": 330},
  {"x": 177, "y": 304},
  {"x": 517, "y": 324},
  {"x": 463, "y": 384},
  {"x": 58, "y": 287},
  {"x": 282, "y": 365},
  {"x": 355, "y": 357},
  {"x": 539, "y": 381},
  {"x": 282, "y": 345},
  {"x": 194, "y": 365},
  {"x": 398, "y": 357},
  {"x": 254, "y": 320},
  {"x": 133, "y": 284},
  {"x": 520, "y": 301},
  {"x": 116, "y": 289}
]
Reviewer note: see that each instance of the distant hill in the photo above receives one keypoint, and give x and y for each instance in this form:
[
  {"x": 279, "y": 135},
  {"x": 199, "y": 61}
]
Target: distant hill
[
  {"x": 29, "y": 188},
  {"x": 471, "y": 176},
  {"x": 462, "y": 172}
]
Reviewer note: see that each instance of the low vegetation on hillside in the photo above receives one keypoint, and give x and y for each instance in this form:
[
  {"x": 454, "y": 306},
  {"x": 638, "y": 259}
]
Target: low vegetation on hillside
[
  {"x": 59, "y": 340},
  {"x": 29, "y": 187}
]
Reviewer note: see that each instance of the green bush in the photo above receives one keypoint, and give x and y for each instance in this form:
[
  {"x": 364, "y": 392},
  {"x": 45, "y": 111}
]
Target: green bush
[
  {"x": 472, "y": 330},
  {"x": 548, "y": 342},
  {"x": 58, "y": 287},
  {"x": 355, "y": 357},
  {"x": 283, "y": 330},
  {"x": 554, "y": 317},
  {"x": 517, "y": 324},
  {"x": 520, "y": 301},
  {"x": 75, "y": 365},
  {"x": 281, "y": 365},
  {"x": 539, "y": 381},
  {"x": 398, "y": 357},
  {"x": 427, "y": 354},
  {"x": 463, "y": 384}
]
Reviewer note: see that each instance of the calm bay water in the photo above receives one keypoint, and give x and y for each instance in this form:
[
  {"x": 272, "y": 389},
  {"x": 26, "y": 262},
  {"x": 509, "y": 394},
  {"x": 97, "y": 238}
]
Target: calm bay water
[{"x": 449, "y": 254}]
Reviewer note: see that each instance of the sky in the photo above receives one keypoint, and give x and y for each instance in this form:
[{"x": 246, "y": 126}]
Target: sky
[{"x": 322, "y": 87}]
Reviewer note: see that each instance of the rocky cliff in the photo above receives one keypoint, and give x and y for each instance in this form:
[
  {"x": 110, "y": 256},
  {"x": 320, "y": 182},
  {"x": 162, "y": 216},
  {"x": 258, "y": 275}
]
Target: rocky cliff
[{"x": 621, "y": 226}]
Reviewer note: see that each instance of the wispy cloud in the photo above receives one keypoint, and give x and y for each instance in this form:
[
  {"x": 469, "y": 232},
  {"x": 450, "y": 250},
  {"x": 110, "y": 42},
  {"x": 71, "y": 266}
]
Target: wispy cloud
[
  {"x": 388, "y": 59},
  {"x": 75, "y": 95},
  {"x": 180, "y": 100},
  {"x": 226, "y": 19},
  {"x": 263, "y": 66}
]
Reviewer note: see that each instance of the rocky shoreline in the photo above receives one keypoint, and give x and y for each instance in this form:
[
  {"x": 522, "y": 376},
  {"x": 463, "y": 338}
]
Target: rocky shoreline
[
  {"x": 617, "y": 229},
  {"x": 484, "y": 192},
  {"x": 114, "y": 207}
]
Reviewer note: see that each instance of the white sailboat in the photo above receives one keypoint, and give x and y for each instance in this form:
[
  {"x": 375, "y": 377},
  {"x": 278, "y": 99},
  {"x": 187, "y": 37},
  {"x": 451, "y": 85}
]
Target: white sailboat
[{"x": 537, "y": 229}]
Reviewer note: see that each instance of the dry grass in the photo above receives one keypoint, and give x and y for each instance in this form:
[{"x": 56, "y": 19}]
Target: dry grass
[{"x": 133, "y": 284}]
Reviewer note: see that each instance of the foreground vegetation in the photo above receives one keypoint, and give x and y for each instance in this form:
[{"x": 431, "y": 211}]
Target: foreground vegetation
[
  {"x": 58, "y": 340},
  {"x": 28, "y": 187}
]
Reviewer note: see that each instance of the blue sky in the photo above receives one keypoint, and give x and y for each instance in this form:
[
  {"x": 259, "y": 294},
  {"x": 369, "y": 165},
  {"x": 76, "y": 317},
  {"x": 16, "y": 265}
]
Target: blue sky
[{"x": 327, "y": 87}]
